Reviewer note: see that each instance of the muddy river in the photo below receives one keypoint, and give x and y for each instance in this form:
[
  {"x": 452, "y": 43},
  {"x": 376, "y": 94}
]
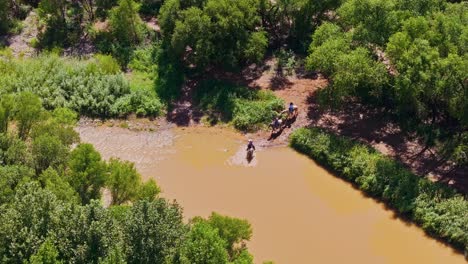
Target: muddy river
[{"x": 299, "y": 212}]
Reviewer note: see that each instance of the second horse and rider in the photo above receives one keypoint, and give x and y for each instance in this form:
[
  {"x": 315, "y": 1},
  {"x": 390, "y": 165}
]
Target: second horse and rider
[{"x": 277, "y": 123}]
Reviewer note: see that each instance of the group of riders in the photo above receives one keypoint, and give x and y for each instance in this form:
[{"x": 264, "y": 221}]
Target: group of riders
[{"x": 276, "y": 125}]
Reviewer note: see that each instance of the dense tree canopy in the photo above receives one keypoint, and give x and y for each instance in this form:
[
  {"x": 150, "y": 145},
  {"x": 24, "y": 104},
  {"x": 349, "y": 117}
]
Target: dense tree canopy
[{"x": 224, "y": 32}]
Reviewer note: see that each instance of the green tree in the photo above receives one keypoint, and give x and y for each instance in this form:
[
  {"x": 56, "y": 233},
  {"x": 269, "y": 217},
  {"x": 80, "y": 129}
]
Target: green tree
[
  {"x": 372, "y": 20},
  {"x": 10, "y": 178},
  {"x": 153, "y": 231},
  {"x": 329, "y": 42},
  {"x": 232, "y": 230},
  {"x": 47, "y": 254},
  {"x": 5, "y": 16},
  {"x": 221, "y": 32},
  {"x": 65, "y": 116},
  {"x": 203, "y": 245},
  {"x": 148, "y": 190},
  {"x": 28, "y": 111},
  {"x": 57, "y": 184},
  {"x": 123, "y": 181},
  {"x": 48, "y": 151},
  {"x": 6, "y": 109},
  {"x": 125, "y": 23},
  {"x": 26, "y": 222},
  {"x": 86, "y": 234},
  {"x": 14, "y": 151},
  {"x": 86, "y": 172}
]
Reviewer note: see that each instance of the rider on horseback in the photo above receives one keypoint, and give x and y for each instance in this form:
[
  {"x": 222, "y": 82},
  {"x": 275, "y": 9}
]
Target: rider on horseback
[{"x": 250, "y": 146}]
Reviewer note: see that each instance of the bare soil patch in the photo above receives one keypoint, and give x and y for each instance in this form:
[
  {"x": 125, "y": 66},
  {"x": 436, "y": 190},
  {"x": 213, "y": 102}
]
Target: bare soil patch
[{"x": 369, "y": 125}]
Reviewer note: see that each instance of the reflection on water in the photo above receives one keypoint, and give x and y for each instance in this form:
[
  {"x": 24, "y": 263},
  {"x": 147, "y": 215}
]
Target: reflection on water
[{"x": 299, "y": 212}]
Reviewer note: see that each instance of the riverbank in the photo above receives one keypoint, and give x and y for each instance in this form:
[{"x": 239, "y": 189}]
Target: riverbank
[
  {"x": 439, "y": 210},
  {"x": 299, "y": 212}
]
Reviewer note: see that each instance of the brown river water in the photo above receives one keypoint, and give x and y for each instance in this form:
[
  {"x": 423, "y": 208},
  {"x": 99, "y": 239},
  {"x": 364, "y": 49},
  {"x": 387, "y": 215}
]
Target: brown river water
[{"x": 300, "y": 213}]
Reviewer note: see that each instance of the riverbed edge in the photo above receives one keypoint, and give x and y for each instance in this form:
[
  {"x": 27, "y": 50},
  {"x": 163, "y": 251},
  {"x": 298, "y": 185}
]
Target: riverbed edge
[{"x": 439, "y": 210}]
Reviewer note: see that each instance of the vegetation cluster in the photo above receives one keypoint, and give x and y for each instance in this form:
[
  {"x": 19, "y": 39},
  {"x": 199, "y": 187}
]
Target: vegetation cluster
[{"x": 51, "y": 188}]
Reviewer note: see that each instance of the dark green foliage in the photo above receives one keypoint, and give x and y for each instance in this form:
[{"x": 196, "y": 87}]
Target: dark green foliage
[
  {"x": 292, "y": 21},
  {"x": 439, "y": 210},
  {"x": 247, "y": 108},
  {"x": 48, "y": 151},
  {"x": 153, "y": 231},
  {"x": 10, "y": 178},
  {"x": 26, "y": 221},
  {"x": 150, "y": 7},
  {"x": 122, "y": 181},
  {"x": 219, "y": 32},
  {"x": 13, "y": 150},
  {"x": 5, "y": 19},
  {"x": 6, "y": 111},
  {"x": 27, "y": 112},
  {"x": 87, "y": 172}
]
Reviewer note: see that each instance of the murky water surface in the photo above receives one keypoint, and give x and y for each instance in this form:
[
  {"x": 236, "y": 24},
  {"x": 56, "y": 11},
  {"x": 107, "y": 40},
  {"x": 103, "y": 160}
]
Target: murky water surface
[{"x": 299, "y": 212}]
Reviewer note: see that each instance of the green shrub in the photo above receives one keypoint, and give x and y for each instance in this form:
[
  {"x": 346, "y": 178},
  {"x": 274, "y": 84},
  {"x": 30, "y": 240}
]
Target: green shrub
[
  {"x": 247, "y": 108},
  {"x": 94, "y": 87},
  {"x": 438, "y": 209}
]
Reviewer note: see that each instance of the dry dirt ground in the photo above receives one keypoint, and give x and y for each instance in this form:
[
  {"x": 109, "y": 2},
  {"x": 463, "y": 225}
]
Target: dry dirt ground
[
  {"x": 368, "y": 125},
  {"x": 20, "y": 44}
]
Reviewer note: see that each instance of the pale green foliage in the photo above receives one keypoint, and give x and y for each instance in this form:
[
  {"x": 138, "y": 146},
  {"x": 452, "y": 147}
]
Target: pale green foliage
[
  {"x": 148, "y": 190},
  {"x": 232, "y": 230},
  {"x": 58, "y": 185},
  {"x": 47, "y": 254},
  {"x": 65, "y": 116},
  {"x": 203, "y": 245},
  {"x": 87, "y": 172},
  {"x": 92, "y": 87}
]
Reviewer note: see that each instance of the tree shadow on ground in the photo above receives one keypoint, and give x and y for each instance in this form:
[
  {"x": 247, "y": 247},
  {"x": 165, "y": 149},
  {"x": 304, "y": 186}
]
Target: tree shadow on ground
[{"x": 376, "y": 127}]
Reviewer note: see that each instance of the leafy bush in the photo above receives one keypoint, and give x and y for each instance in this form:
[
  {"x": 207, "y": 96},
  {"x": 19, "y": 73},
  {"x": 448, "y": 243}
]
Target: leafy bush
[
  {"x": 247, "y": 108},
  {"x": 93, "y": 87},
  {"x": 439, "y": 210}
]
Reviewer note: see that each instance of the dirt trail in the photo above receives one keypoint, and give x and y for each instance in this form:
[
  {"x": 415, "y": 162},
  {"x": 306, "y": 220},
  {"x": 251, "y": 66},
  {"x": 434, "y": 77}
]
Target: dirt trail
[{"x": 21, "y": 44}]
